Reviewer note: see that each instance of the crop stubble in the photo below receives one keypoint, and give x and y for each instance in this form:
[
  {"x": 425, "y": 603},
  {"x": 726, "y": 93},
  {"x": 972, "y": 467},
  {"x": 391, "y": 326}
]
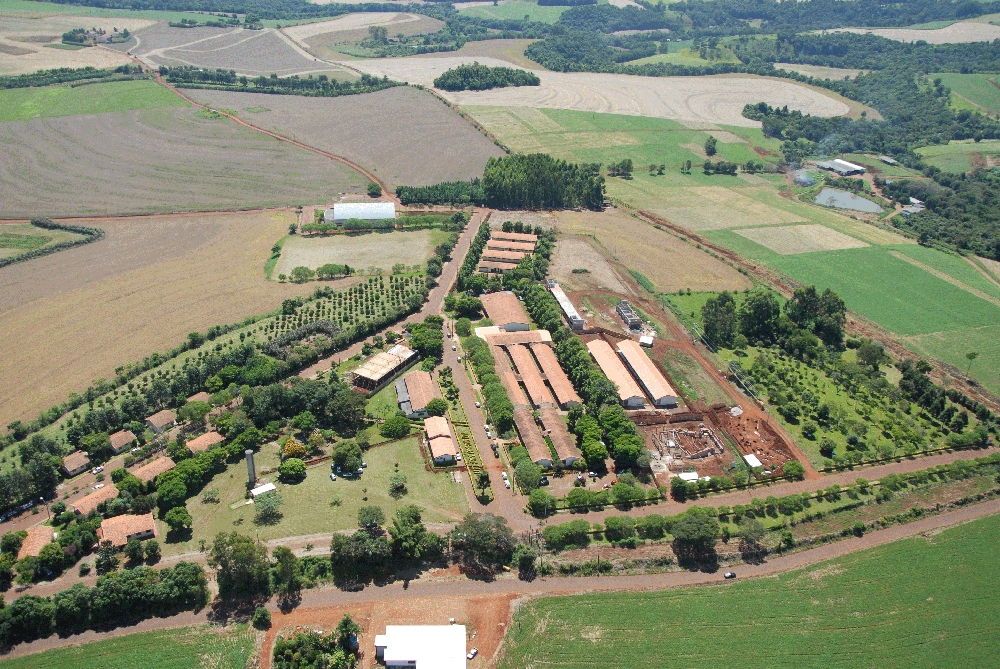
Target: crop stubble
[
  {"x": 141, "y": 289},
  {"x": 155, "y": 161},
  {"x": 956, "y": 33},
  {"x": 402, "y": 134},
  {"x": 374, "y": 249},
  {"x": 792, "y": 239}
]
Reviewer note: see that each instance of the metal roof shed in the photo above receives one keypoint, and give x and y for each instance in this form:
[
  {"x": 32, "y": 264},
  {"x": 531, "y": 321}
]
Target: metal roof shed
[
  {"x": 650, "y": 378},
  {"x": 369, "y": 211},
  {"x": 628, "y": 390}
]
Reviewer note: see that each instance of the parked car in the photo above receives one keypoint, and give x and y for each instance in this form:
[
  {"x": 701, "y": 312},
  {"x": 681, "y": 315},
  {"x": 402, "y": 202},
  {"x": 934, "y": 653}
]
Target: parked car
[
  {"x": 729, "y": 574},
  {"x": 478, "y": 405},
  {"x": 97, "y": 470},
  {"x": 28, "y": 505},
  {"x": 607, "y": 486},
  {"x": 496, "y": 453},
  {"x": 364, "y": 465},
  {"x": 543, "y": 481},
  {"x": 506, "y": 484},
  {"x": 360, "y": 471},
  {"x": 454, "y": 348},
  {"x": 333, "y": 477},
  {"x": 504, "y": 475},
  {"x": 592, "y": 475},
  {"x": 96, "y": 487},
  {"x": 135, "y": 450},
  {"x": 472, "y": 653}
]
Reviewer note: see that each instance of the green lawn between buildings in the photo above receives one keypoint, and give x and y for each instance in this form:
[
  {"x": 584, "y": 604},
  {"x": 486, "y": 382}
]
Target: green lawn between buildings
[
  {"x": 196, "y": 647},
  {"x": 22, "y": 104},
  {"x": 920, "y": 602}
]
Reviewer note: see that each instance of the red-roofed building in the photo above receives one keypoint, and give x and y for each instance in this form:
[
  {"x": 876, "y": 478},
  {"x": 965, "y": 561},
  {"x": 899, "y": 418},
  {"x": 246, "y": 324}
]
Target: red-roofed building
[
  {"x": 154, "y": 468},
  {"x": 38, "y": 538},
  {"x": 122, "y": 529},
  {"x": 85, "y": 505},
  {"x": 203, "y": 442},
  {"x": 121, "y": 441},
  {"x": 76, "y": 463}
]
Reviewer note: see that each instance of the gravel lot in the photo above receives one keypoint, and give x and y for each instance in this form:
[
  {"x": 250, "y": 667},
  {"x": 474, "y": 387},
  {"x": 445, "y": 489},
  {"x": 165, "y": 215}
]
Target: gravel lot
[
  {"x": 155, "y": 160},
  {"x": 402, "y": 134},
  {"x": 716, "y": 99}
]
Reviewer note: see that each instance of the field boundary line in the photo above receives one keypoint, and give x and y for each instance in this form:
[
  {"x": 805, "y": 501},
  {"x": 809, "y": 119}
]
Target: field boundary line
[
  {"x": 983, "y": 270},
  {"x": 190, "y": 212},
  {"x": 946, "y": 277}
]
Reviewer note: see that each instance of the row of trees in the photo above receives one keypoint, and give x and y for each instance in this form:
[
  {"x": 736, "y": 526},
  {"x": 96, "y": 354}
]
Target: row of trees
[
  {"x": 321, "y": 86},
  {"x": 497, "y": 403},
  {"x": 476, "y": 77},
  {"x": 89, "y": 235}
]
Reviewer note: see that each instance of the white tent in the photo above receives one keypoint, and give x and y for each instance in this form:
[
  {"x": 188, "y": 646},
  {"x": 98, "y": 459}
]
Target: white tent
[{"x": 267, "y": 487}]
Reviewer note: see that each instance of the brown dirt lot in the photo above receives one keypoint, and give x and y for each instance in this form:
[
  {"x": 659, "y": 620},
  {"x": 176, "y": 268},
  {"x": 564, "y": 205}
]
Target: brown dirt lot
[
  {"x": 74, "y": 316},
  {"x": 403, "y": 135},
  {"x": 667, "y": 261},
  {"x": 155, "y": 161},
  {"x": 573, "y": 252}
]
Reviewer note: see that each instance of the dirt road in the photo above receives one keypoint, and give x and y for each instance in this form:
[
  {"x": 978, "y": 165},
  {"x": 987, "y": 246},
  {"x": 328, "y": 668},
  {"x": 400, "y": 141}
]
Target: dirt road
[{"x": 317, "y": 604}]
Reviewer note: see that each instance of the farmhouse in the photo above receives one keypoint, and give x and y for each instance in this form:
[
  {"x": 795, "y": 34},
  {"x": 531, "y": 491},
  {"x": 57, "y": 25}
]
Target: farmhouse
[
  {"x": 369, "y": 211},
  {"x": 561, "y": 387},
  {"x": 381, "y": 368},
  {"x": 122, "y": 529},
  {"x": 154, "y": 468},
  {"x": 413, "y": 392},
  {"x": 573, "y": 317},
  {"x": 491, "y": 267},
  {"x": 628, "y": 390},
  {"x": 442, "y": 447},
  {"x": 513, "y": 236},
  {"x": 161, "y": 421},
  {"x": 507, "y": 245},
  {"x": 200, "y": 397},
  {"x": 841, "y": 167},
  {"x": 649, "y": 377},
  {"x": 505, "y": 311},
  {"x": 38, "y": 538},
  {"x": 89, "y": 503},
  {"x": 422, "y": 646},
  {"x": 75, "y": 463},
  {"x": 629, "y": 317},
  {"x": 493, "y": 255},
  {"x": 203, "y": 442},
  {"x": 120, "y": 441}
]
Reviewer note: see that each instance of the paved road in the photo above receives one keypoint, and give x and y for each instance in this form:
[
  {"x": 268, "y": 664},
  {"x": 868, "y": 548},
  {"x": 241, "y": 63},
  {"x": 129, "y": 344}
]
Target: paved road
[{"x": 554, "y": 585}]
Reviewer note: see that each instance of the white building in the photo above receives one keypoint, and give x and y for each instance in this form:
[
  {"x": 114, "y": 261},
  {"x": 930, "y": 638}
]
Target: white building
[
  {"x": 576, "y": 322},
  {"x": 422, "y": 646},
  {"x": 369, "y": 211}
]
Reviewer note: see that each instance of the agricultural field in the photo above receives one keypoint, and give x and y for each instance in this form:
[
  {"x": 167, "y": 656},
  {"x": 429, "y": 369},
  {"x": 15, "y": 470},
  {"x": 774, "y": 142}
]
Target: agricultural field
[
  {"x": 23, "y": 104},
  {"x": 338, "y": 39},
  {"x": 403, "y": 135},
  {"x": 18, "y": 238},
  {"x": 962, "y": 155},
  {"x": 668, "y": 262},
  {"x": 101, "y": 171},
  {"x": 508, "y": 51},
  {"x": 249, "y": 52},
  {"x": 376, "y": 249},
  {"x": 976, "y": 90},
  {"x": 318, "y": 504},
  {"x": 180, "y": 648},
  {"x": 581, "y": 252},
  {"x": 692, "y": 99},
  {"x": 114, "y": 301},
  {"x": 954, "y": 33},
  {"x": 514, "y": 10},
  {"x": 923, "y": 601},
  {"x": 818, "y": 71}
]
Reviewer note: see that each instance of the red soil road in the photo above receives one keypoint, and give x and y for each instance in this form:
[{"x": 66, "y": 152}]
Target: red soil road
[{"x": 318, "y": 606}]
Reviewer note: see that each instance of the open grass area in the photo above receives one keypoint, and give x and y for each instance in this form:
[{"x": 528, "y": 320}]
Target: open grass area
[
  {"x": 978, "y": 89},
  {"x": 516, "y": 9},
  {"x": 22, "y": 104},
  {"x": 961, "y": 155},
  {"x": 17, "y": 238},
  {"x": 318, "y": 504},
  {"x": 181, "y": 648},
  {"x": 919, "y": 602}
]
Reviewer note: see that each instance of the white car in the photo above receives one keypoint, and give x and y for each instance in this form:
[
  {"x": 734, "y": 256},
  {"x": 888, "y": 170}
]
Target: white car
[
  {"x": 333, "y": 477},
  {"x": 506, "y": 484},
  {"x": 504, "y": 475},
  {"x": 454, "y": 348},
  {"x": 97, "y": 470},
  {"x": 478, "y": 405},
  {"x": 472, "y": 653},
  {"x": 98, "y": 486}
]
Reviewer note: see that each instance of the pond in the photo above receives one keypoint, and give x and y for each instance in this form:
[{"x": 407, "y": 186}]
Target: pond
[{"x": 841, "y": 199}]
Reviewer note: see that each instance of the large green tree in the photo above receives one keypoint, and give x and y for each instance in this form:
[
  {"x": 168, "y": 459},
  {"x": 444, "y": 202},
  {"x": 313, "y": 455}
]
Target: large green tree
[
  {"x": 719, "y": 317},
  {"x": 759, "y": 317},
  {"x": 242, "y": 567}
]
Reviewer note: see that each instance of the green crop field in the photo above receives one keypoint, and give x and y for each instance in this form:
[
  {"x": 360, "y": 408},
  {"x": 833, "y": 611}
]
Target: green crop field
[
  {"x": 979, "y": 89},
  {"x": 182, "y": 648},
  {"x": 920, "y": 602},
  {"x": 22, "y": 104},
  {"x": 307, "y": 507},
  {"x": 957, "y": 156},
  {"x": 516, "y": 9}
]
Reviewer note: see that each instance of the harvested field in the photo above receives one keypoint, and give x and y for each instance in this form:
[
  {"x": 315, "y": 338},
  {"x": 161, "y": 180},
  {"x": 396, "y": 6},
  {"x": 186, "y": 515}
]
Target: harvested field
[
  {"x": 788, "y": 240},
  {"x": 664, "y": 259},
  {"x": 362, "y": 251},
  {"x": 153, "y": 161},
  {"x": 716, "y": 99},
  {"x": 404, "y": 135},
  {"x": 818, "y": 71},
  {"x": 23, "y": 37},
  {"x": 576, "y": 252},
  {"x": 509, "y": 50},
  {"x": 353, "y": 28},
  {"x": 714, "y": 208},
  {"x": 956, "y": 33},
  {"x": 249, "y": 52},
  {"x": 140, "y": 289}
]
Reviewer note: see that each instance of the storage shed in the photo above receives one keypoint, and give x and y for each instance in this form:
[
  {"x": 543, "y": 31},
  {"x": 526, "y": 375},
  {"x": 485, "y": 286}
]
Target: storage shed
[
  {"x": 841, "y": 167},
  {"x": 369, "y": 211},
  {"x": 652, "y": 381},
  {"x": 629, "y": 392}
]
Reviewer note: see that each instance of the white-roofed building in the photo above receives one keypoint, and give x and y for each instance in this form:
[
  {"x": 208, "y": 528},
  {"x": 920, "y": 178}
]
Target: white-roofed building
[
  {"x": 841, "y": 167},
  {"x": 752, "y": 460},
  {"x": 369, "y": 211},
  {"x": 422, "y": 646},
  {"x": 267, "y": 487}
]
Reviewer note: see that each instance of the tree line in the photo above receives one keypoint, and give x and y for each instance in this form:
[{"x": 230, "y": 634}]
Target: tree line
[
  {"x": 89, "y": 235},
  {"x": 476, "y": 77},
  {"x": 64, "y": 75},
  {"x": 320, "y": 86}
]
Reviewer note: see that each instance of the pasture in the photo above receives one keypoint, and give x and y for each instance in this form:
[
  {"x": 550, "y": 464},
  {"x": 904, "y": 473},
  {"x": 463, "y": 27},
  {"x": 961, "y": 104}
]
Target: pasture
[
  {"x": 979, "y": 90},
  {"x": 141, "y": 289},
  {"x": 374, "y": 249},
  {"x": 923, "y": 601},
  {"x": 155, "y": 161},
  {"x": 17, "y": 238},
  {"x": 403, "y": 135},
  {"x": 962, "y": 155},
  {"x": 22, "y": 104},
  {"x": 515, "y": 10},
  {"x": 508, "y": 51},
  {"x": 318, "y": 504},
  {"x": 180, "y": 648}
]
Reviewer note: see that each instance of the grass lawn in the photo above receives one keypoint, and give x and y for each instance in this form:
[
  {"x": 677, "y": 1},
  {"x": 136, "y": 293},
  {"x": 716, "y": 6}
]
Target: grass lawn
[
  {"x": 182, "y": 648},
  {"x": 920, "y": 602},
  {"x": 516, "y": 9},
  {"x": 979, "y": 89},
  {"x": 307, "y": 505},
  {"x": 21, "y": 104},
  {"x": 685, "y": 55}
]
